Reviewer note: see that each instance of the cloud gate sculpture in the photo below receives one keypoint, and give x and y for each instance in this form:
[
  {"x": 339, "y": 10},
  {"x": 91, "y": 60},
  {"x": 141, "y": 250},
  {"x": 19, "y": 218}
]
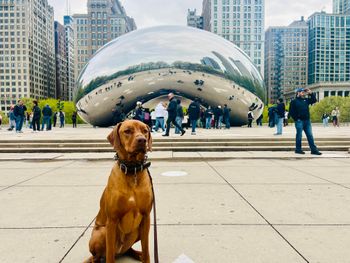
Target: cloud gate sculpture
[{"x": 149, "y": 63}]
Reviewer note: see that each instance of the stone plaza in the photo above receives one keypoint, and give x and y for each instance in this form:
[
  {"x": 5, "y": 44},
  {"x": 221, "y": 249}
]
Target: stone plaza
[{"x": 247, "y": 207}]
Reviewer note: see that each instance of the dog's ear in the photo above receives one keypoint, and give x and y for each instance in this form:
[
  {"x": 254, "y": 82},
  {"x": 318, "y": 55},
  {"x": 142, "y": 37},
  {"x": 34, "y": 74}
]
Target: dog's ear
[
  {"x": 114, "y": 137},
  {"x": 149, "y": 143}
]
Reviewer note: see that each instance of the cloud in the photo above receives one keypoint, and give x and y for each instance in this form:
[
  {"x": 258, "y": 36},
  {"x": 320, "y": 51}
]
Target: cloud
[{"x": 161, "y": 12}]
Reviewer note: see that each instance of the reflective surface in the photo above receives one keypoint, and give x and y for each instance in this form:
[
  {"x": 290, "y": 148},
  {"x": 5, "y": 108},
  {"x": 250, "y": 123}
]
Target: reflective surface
[{"x": 148, "y": 63}]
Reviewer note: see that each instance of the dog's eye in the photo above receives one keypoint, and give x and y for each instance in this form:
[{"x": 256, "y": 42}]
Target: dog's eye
[
  {"x": 145, "y": 131},
  {"x": 128, "y": 131}
]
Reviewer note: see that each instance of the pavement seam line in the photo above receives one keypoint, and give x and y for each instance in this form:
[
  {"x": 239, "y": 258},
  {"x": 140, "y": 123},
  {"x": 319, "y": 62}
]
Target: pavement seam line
[
  {"x": 34, "y": 177},
  {"x": 76, "y": 241},
  {"x": 268, "y": 222}
]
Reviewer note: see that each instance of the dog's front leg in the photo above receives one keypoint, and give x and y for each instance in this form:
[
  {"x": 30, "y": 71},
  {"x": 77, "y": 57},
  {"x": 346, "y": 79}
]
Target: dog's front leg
[
  {"x": 145, "y": 226},
  {"x": 111, "y": 233}
]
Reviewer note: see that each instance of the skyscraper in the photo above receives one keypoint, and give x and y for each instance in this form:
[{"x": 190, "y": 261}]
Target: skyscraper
[
  {"x": 61, "y": 61},
  {"x": 105, "y": 20},
  {"x": 286, "y": 58},
  {"x": 27, "y": 51},
  {"x": 341, "y": 7},
  {"x": 194, "y": 20},
  {"x": 329, "y": 48},
  {"x": 70, "y": 52},
  {"x": 239, "y": 21}
]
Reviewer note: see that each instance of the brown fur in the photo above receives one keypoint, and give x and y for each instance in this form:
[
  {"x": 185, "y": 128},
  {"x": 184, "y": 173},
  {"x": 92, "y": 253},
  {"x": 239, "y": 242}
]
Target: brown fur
[{"x": 126, "y": 202}]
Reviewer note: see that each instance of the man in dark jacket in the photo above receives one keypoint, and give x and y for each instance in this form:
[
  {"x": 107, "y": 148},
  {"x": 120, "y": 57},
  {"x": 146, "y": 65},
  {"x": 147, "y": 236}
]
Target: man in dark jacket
[
  {"x": 47, "y": 112},
  {"x": 280, "y": 110},
  {"x": 218, "y": 113},
  {"x": 172, "y": 115},
  {"x": 227, "y": 117},
  {"x": 194, "y": 111},
  {"x": 36, "y": 116},
  {"x": 299, "y": 111},
  {"x": 19, "y": 112}
]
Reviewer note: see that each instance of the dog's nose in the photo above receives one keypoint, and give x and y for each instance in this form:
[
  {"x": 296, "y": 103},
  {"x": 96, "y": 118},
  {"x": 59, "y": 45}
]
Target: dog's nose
[{"x": 141, "y": 140}]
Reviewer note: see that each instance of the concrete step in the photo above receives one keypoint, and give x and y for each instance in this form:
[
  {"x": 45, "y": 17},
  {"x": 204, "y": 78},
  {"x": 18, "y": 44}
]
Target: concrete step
[
  {"x": 170, "y": 144},
  {"x": 174, "y": 149}
]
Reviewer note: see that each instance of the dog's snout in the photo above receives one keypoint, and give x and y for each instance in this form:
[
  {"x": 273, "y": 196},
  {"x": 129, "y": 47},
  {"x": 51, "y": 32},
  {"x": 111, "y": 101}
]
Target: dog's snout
[{"x": 141, "y": 140}]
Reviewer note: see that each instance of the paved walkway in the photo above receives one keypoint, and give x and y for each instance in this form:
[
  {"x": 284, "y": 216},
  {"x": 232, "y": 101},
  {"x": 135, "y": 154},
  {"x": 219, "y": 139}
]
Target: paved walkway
[{"x": 245, "y": 210}]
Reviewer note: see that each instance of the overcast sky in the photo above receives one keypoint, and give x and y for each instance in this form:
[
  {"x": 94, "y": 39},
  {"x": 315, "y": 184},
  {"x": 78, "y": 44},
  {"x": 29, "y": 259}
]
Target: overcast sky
[{"x": 173, "y": 12}]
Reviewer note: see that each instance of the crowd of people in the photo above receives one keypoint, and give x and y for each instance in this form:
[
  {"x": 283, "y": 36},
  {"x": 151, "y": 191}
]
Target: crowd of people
[{"x": 19, "y": 115}]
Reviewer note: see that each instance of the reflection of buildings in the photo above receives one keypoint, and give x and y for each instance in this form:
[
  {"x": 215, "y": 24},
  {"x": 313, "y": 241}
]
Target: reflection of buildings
[
  {"x": 341, "y": 7},
  {"x": 211, "y": 63},
  {"x": 27, "y": 51},
  {"x": 194, "y": 20},
  {"x": 105, "y": 20},
  {"x": 286, "y": 58},
  {"x": 241, "y": 22}
]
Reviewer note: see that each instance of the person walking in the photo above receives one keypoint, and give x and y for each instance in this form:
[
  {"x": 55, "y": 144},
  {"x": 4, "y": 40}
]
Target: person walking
[
  {"x": 226, "y": 116},
  {"x": 208, "y": 117},
  {"x": 172, "y": 106},
  {"x": 74, "y": 119},
  {"x": 335, "y": 116},
  {"x": 299, "y": 111},
  {"x": 62, "y": 118},
  {"x": 325, "y": 118},
  {"x": 19, "y": 112},
  {"x": 12, "y": 119},
  {"x": 280, "y": 110},
  {"x": 47, "y": 112},
  {"x": 194, "y": 111},
  {"x": 250, "y": 118},
  {"x": 179, "y": 116},
  {"x": 36, "y": 116},
  {"x": 160, "y": 113}
]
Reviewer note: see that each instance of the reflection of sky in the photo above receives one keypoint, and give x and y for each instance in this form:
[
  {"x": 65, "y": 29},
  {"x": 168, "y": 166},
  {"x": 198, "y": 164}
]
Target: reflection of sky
[{"x": 167, "y": 44}]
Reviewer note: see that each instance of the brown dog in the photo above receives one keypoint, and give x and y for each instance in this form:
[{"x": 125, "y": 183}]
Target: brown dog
[{"x": 126, "y": 203}]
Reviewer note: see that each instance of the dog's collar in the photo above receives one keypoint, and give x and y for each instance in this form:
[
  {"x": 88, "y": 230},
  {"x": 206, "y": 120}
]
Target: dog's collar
[{"x": 132, "y": 168}]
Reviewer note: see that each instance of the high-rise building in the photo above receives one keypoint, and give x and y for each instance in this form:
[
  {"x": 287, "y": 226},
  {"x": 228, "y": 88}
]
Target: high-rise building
[
  {"x": 194, "y": 20},
  {"x": 341, "y": 7},
  {"x": 70, "y": 52},
  {"x": 61, "y": 61},
  {"x": 27, "y": 51},
  {"x": 286, "y": 58},
  {"x": 239, "y": 21},
  {"x": 329, "y": 48},
  {"x": 105, "y": 21}
]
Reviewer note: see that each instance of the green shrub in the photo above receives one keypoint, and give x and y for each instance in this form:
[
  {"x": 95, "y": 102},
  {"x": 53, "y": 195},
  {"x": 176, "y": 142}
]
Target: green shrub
[
  {"x": 327, "y": 105},
  {"x": 5, "y": 119}
]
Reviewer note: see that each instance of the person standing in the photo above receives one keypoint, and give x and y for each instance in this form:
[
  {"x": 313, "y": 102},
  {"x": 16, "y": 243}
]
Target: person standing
[
  {"x": 172, "y": 106},
  {"x": 286, "y": 116},
  {"x": 259, "y": 120},
  {"x": 55, "y": 119},
  {"x": 218, "y": 113},
  {"x": 226, "y": 116},
  {"x": 12, "y": 119},
  {"x": 47, "y": 112},
  {"x": 208, "y": 116},
  {"x": 299, "y": 111},
  {"x": 74, "y": 119},
  {"x": 250, "y": 118},
  {"x": 280, "y": 110},
  {"x": 36, "y": 116},
  {"x": 62, "y": 117},
  {"x": 160, "y": 113},
  {"x": 335, "y": 116},
  {"x": 139, "y": 112},
  {"x": 194, "y": 111},
  {"x": 179, "y": 116},
  {"x": 19, "y": 112},
  {"x": 325, "y": 118}
]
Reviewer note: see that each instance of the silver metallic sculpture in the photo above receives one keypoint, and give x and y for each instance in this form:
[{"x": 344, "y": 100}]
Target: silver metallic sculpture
[{"x": 149, "y": 63}]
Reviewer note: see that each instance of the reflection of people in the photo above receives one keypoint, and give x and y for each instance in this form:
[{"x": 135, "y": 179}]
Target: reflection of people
[
  {"x": 299, "y": 111},
  {"x": 172, "y": 115}
]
